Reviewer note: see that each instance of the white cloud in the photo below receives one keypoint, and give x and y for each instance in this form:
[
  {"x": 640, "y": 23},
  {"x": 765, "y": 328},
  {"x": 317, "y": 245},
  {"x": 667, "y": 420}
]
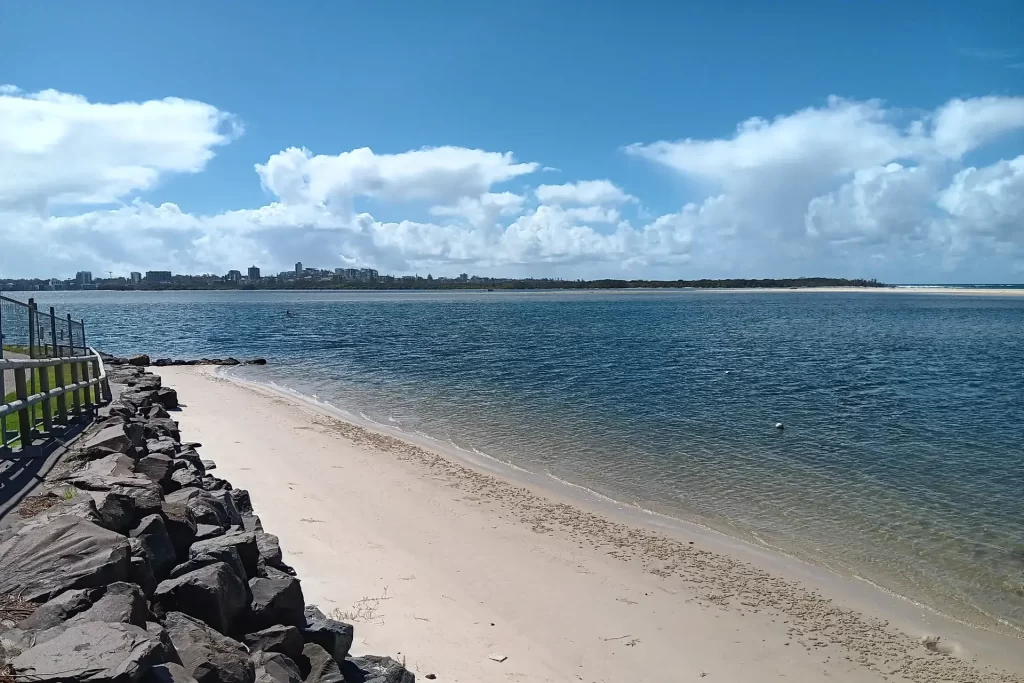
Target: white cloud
[
  {"x": 583, "y": 192},
  {"x": 850, "y": 188},
  {"x": 57, "y": 148}
]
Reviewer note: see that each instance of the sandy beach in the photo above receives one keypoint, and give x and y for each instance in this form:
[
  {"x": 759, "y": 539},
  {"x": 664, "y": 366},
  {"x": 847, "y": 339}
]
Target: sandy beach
[{"x": 450, "y": 567}]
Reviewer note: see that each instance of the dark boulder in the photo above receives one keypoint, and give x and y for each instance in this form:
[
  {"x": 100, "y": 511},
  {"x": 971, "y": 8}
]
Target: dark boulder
[
  {"x": 256, "y": 361},
  {"x": 186, "y": 477},
  {"x": 140, "y": 571},
  {"x": 333, "y": 636},
  {"x": 68, "y": 552},
  {"x": 139, "y": 360},
  {"x": 152, "y": 532},
  {"x": 373, "y": 669},
  {"x": 276, "y": 599},
  {"x": 168, "y": 673},
  {"x": 207, "y": 507},
  {"x": 213, "y": 594},
  {"x": 242, "y": 501},
  {"x": 270, "y": 551},
  {"x": 58, "y": 610},
  {"x": 180, "y": 523},
  {"x": 208, "y": 531},
  {"x": 95, "y": 651},
  {"x": 226, "y": 554},
  {"x": 207, "y": 655},
  {"x": 137, "y": 400},
  {"x": 111, "y": 437},
  {"x": 230, "y": 361},
  {"x": 209, "y": 465},
  {"x": 166, "y": 397},
  {"x": 137, "y": 433},
  {"x": 155, "y": 411},
  {"x": 243, "y": 542},
  {"x": 157, "y": 468},
  {"x": 116, "y": 509},
  {"x": 274, "y": 667},
  {"x": 117, "y": 602},
  {"x": 211, "y": 483},
  {"x": 320, "y": 665},
  {"x": 165, "y": 445},
  {"x": 161, "y": 426},
  {"x": 277, "y": 638},
  {"x": 252, "y": 523},
  {"x": 149, "y": 499}
]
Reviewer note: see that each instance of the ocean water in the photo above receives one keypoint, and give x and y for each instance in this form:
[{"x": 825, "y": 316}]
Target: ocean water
[{"x": 901, "y": 461}]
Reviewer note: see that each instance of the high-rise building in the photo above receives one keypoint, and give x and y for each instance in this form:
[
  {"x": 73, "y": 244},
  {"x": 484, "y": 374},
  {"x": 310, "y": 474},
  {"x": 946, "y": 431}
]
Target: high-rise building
[
  {"x": 298, "y": 267},
  {"x": 254, "y": 273},
  {"x": 234, "y": 276},
  {"x": 156, "y": 277},
  {"x": 136, "y": 278},
  {"x": 83, "y": 278}
]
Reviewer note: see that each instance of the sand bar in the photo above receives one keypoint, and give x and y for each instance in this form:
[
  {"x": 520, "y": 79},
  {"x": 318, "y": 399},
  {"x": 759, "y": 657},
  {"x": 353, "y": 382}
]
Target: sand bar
[{"x": 443, "y": 564}]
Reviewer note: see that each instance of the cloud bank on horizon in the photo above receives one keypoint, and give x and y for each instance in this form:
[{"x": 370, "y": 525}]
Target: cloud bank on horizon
[{"x": 841, "y": 188}]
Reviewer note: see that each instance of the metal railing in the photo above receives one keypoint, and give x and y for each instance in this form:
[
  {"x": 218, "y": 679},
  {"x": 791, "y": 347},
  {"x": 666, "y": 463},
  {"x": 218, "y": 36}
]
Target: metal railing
[
  {"x": 83, "y": 379},
  {"x": 29, "y": 331}
]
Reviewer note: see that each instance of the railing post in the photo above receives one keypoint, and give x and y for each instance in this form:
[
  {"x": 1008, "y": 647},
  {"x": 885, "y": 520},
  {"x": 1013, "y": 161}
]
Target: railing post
[
  {"x": 71, "y": 336},
  {"x": 87, "y": 390},
  {"x": 76, "y": 399},
  {"x": 31, "y": 328},
  {"x": 47, "y": 405},
  {"x": 85, "y": 347},
  {"x": 24, "y": 421},
  {"x": 97, "y": 388},
  {"x": 62, "y": 400},
  {"x": 53, "y": 332}
]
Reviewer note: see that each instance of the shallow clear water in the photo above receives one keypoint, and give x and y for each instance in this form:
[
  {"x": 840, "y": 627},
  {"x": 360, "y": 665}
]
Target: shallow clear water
[{"x": 902, "y": 458}]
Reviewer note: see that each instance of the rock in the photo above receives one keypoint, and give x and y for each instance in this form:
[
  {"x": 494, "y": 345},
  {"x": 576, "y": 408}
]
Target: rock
[
  {"x": 277, "y": 638},
  {"x": 497, "y": 657},
  {"x": 256, "y": 361},
  {"x": 145, "y": 381},
  {"x": 208, "y": 507},
  {"x": 166, "y": 397},
  {"x": 230, "y": 361},
  {"x": 180, "y": 523},
  {"x": 162, "y": 426},
  {"x": 76, "y": 504},
  {"x": 333, "y": 636},
  {"x": 244, "y": 543},
  {"x": 116, "y": 473},
  {"x": 136, "y": 400},
  {"x": 162, "y": 362},
  {"x": 112, "y": 437},
  {"x": 213, "y": 594},
  {"x": 227, "y": 554},
  {"x": 228, "y": 503},
  {"x": 95, "y": 651},
  {"x": 207, "y": 531},
  {"x": 322, "y": 667},
  {"x": 187, "y": 477},
  {"x": 58, "y": 610},
  {"x": 242, "y": 501},
  {"x": 276, "y": 599},
  {"x": 164, "y": 445},
  {"x": 148, "y": 497},
  {"x": 139, "y": 360},
  {"x": 252, "y": 523},
  {"x": 113, "y": 410},
  {"x": 270, "y": 551},
  {"x": 157, "y": 544},
  {"x": 206, "y": 655},
  {"x": 168, "y": 673},
  {"x": 209, "y": 465},
  {"x": 68, "y": 552},
  {"x": 136, "y": 433},
  {"x": 274, "y": 667},
  {"x": 156, "y": 411},
  {"x": 117, "y": 603},
  {"x": 189, "y": 457},
  {"x": 215, "y": 484},
  {"x": 140, "y": 570},
  {"x": 373, "y": 669},
  {"x": 157, "y": 468},
  {"x": 116, "y": 510}
]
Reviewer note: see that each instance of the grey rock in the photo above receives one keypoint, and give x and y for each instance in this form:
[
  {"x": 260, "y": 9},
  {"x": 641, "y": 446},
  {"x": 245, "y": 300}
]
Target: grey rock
[
  {"x": 228, "y": 502},
  {"x": 155, "y": 411},
  {"x": 58, "y": 610},
  {"x": 149, "y": 499},
  {"x": 152, "y": 532},
  {"x": 190, "y": 457},
  {"x": 164, "y": 444},
  {"x": 68, "y": 552},
  {"x": 333, "y": 636},
  {"x": 215, "y": 484},
  {"x": 157, "y": 468},
  {"x": 136, "y": 433},
  {"x": 277, "y": 638},
  {"x": 186, "y": 477},
  {"x": 270, "y": 551},
  {"x": 111, "y": 437},
  {"x": 180, "y": 523},
  {"x": 95, "y": 651},
  {"x": 168, "y": 673},
  {"x": 274, "y": 667},
  {"x": 252, "y": 523},
  {"x": 208, "y": 531},
  {"x": 244, "y": 543},
  {"x": 242, "y": 501},
  {"x": 230, "y": 361},
  {"x": 113, "y": 410},
  {"x": 213, "y": 594},
  {"x": 256, "y": 361},
  {"x": 206, "y": 655},
  {"x": 276, "y": 599},
  {"x": 136, "y": 400},
  {"x": 227, "y": 554},
  {"x": 373, "y": 669},
  {"x": 140, "y": 571},
  {"x": 80, "y": 505},
  {"x": 162, "y": 426},
  {"x": 139, "y": 360},
  {"x": 117, "y": 602},
  {"x": 209, "y": 465},
  {"x": 166, "y": 397},
  {"x": 116, "y": 510},
  {"x": 322, "y": 667},
  {"x": 207, "y": 507}
]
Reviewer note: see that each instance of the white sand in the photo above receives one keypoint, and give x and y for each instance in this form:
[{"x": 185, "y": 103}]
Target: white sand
[{"x": 441, "y": 565}]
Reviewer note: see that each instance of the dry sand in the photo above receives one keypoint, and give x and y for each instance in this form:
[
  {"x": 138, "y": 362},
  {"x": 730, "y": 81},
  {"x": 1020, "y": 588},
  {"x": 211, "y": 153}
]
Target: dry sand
[{"x": 443, "y": 565}]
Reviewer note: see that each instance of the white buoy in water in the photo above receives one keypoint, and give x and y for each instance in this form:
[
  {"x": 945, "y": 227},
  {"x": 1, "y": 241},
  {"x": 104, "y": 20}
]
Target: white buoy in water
[
  {"x": 779, "y": 425},
  {"x": 728, "y": 372}
]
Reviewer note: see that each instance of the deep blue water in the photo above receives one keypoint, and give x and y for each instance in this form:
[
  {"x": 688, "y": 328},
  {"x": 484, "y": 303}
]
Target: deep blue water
[{"x": 902, "y": 460}]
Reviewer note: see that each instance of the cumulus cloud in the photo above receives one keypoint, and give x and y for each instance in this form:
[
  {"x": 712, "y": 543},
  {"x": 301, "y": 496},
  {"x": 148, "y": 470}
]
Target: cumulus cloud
[
  {"x": 58, "y": 148},
  {"x": 584, "y": 192},
  {"x": 848, "y": 188}
]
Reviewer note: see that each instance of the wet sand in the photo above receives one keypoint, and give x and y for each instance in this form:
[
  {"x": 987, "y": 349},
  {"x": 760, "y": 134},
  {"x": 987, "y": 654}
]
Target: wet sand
[{"x": 445, "y": 562}]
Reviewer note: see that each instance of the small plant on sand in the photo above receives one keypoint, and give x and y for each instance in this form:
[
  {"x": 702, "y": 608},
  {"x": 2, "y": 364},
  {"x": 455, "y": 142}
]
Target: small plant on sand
[{"x": 364, "y": 610}]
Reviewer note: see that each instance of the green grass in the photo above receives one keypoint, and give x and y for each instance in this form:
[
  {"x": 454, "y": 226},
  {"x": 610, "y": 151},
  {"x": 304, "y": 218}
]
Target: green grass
[{"x": 37, "y": 411}]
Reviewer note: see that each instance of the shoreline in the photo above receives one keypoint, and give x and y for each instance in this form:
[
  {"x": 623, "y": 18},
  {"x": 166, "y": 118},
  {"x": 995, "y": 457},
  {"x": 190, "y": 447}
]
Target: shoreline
[{"x": 738, "y": 581}]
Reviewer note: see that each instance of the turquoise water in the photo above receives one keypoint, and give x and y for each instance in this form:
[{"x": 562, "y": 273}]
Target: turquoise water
[{"x": 901, "y": 461}]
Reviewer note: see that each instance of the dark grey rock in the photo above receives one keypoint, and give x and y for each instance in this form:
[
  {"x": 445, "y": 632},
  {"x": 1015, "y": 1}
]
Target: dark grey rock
[
  {"x": 277, "y": 638},
  {"x": 242, "y": 501},
  {"x": 208, "y": 531},
  {"x": 190, "y": 457},
  {"x": 95, "y": 651},
  {"x": 162, "y": 362},
  {"x": 139, "y": 360},
  {"x": 213, "y": 594},
  {"x": 168, "y": 673},
  {"x": 164, "y": 444},
  {"x": 244, "y": 543},
  {"x": 157, "y": 544},
  {"x": 136, "y": 400},
  {"x": 148, "y": 497},
  {"x": 209, "y": 465},
  {"x": 207, "y": 655},
  {"x": 166, "y": 397},
  {"x": 136, "y": 433},
  {"x": 321, "y": 666},
  {"x": 276, "y": 599},
  {"x": 58, "y": 610},
  {"x": 180, "y": 523},
  {"x": 373, "y": 669},
  {"x": 140, "y": 571},
  {"x": 156, "y": 467},
  {"x": 162, "y": 426},
  {"x": 207, "y": 507},
  {"x": 215, "y": 484},
  {"x": 230, "y": 361},
  {"x": 68, "y": 552},
  {"x": 226, "y": 554},
  {"x": 252, "y": 523},
  {"x": 111, "y": 437},
  {"x": 274, "y": 667},
  {"x": 270, "y": 551},
  {"x": 333, "y": 636},
  {"x": 256, "y": 361},
  {"x": 116, "y": 510},
  {"x": 117, "y": 602},
  {"x": 187, "y": 477},
  {"x": 155, "y": 411},
  {"x": 228, "y": 503}
]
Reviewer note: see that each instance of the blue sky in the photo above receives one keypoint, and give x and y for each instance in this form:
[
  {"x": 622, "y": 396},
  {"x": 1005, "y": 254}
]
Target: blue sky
[{"x": 565, "y": 86}]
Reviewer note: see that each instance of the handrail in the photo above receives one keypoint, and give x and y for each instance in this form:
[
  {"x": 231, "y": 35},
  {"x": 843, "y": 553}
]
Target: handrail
[{"x": 80, "y": 367}]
